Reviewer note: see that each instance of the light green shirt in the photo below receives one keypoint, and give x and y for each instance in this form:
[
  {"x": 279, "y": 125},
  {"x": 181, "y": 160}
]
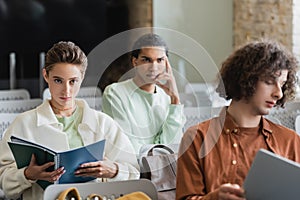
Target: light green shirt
[
  {"x": 147, "y": 118},
  {"x": 70, "y": 127}
]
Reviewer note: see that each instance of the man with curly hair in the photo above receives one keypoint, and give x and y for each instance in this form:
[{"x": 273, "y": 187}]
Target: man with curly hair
[{"x": 215, "y": 156}]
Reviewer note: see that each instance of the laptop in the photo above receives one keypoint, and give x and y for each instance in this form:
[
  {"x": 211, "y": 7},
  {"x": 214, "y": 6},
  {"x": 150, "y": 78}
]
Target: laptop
[{"x": 272, "y": 177}]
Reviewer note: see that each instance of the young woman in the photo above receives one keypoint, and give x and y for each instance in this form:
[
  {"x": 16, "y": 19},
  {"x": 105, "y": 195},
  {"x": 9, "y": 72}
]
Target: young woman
[{"x": 63, "y": 123}]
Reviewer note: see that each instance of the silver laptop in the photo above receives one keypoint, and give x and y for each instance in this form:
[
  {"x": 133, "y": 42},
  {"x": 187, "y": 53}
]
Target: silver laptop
[{"x": 272, "y": 177}]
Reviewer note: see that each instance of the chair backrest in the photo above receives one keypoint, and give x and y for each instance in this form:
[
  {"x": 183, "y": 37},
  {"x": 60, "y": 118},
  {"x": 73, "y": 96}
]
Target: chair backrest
[
  {"x": 188, "y": 99},
  {"x": 287, "y": 116},
  {"x": 297, "y": 125},
  {"x": 198, "y": 87},
  {"x": 202, "y": 95},
  {"x": 19, "y": 106},
  {"x": 5, "y": 120},
  {"x": 94, "y": 102},
  {"x": 84, "y": 92},
  {"x": 89, "y": 91},
  {"x": 194, "y": 115},
  {"x": 16, "y": 94},
  {"x": 273, "y": 119},
  {"x": 108, "y": 190}
]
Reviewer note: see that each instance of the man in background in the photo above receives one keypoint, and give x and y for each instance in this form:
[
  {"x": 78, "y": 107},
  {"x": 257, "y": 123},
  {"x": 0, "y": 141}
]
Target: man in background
[{"x": 147, "y": 107}]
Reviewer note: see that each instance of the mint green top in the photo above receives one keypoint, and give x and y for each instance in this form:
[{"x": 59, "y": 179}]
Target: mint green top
[
  {"x": 70, "y": 127},
  {"x": 147, "y": 118}
]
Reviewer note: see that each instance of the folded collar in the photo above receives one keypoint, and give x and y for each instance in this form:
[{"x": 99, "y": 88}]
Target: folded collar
[
  {"x": 46, "y": 116},
  {"x": 230, "y": 124}
]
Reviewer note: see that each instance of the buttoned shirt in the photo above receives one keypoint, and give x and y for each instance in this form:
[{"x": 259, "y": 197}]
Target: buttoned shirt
[{"x": 218, "y": 151}]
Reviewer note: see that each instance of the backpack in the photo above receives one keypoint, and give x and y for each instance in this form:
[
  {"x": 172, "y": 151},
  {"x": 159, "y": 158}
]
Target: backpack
[{"x": 158, "y": 164}]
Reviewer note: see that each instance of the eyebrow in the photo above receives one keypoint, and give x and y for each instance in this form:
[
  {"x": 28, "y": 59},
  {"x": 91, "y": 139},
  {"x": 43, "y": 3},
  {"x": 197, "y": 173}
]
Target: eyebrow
[
  {"x": 57, "y": 77},
  {"x": 151, "y": 58},
  {"x": 63, "y": 78},
  {"x": 146, "y": 57}
]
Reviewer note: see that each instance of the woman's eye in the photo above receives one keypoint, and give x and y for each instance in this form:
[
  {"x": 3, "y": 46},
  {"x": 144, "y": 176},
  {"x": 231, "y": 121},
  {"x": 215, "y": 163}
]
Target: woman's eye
[
  {"x": 72, "y": 82},
  {"x": 57, "y": 81}
]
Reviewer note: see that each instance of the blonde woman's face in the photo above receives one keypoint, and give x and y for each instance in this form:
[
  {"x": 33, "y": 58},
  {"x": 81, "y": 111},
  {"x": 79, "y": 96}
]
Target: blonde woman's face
[{"x": 64, "y": 81}]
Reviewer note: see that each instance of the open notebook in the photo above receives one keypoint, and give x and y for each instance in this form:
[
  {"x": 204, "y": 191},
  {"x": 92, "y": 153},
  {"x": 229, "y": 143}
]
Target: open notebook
[{"x": 272, "y": 177}]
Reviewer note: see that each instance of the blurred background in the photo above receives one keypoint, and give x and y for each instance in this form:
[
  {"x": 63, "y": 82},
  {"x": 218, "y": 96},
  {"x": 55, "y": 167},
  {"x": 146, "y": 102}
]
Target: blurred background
[{"x": 28, "y": 28}]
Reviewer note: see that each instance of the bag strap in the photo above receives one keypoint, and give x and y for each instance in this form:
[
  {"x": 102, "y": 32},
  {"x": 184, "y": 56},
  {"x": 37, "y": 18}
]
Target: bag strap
[
  {"x": 159, "y": 146},
  {"x": 69, "y": 192}
]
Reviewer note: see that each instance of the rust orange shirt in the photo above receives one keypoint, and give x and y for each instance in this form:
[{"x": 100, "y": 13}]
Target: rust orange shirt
[{"x": 218, "y": 151}]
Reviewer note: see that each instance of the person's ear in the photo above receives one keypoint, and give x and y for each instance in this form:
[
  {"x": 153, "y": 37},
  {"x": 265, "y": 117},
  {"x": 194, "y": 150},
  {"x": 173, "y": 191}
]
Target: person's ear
[
  {"x": 45, "y": 75},
  {"x": 134, "y": 61}
]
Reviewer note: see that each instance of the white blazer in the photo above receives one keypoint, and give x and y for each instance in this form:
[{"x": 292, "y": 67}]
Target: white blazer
[{"x": 41, "y": 126}]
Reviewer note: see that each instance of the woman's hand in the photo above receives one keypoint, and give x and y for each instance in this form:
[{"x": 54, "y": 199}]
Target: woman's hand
[
  {"x": 38, "y": 172},
  {"x": 99, "y": 169},
  {"x": 230, "y": 191}
]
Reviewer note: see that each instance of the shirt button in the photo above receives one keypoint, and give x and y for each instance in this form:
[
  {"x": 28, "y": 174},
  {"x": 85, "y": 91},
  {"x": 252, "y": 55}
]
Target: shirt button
[
  {"x": 235, "y": 130},
  {"x": 227, "y": 131},
  {"x": 234, "y": 145},
  {"x": 234, "y": 162}
]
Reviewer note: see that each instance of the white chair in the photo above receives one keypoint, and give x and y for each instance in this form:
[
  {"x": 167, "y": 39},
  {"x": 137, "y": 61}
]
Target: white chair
[
  {"x": 204, "y": 95},
  {"x": 89, "y": 91},
  {"x": 84, "y": 92},
  {"x": 198, "y": 87},
  {"x": 194, "y": 115},
  {"x": 5, "y": 120},
  {"x": 94, "y": 102},
  {"x": 108, "y": 190},
  {"x": 195, "y": 99},
  {"x": 19, "y": 106},
  {"x": 273, "y": 119},
  {"x": 287, "y": 116},
  {"x": 16, "y": 94},
  {"x": 297, "y": 124},
  {"x": 188, "y": 100}
]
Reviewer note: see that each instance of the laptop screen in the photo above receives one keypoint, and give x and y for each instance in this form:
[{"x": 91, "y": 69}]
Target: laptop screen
[{"x": 272, "y": 177}]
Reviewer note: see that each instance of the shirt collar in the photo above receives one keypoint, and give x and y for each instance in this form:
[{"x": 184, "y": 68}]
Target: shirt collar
[
  {"x": 266, "y": 127},
  {"x": 231, "y": 125},
  {"x": 46, "y": 116}
]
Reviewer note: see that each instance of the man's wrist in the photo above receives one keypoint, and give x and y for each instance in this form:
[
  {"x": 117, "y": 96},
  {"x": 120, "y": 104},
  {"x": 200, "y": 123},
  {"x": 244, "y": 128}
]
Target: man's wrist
[{"x": 175, "y": 100}]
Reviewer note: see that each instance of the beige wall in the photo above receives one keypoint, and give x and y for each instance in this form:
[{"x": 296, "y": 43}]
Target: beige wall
[
  {"x": 255, "y": 19},
  {"x": 208, "y": 22},
  {"x": 296, "y": 28}
]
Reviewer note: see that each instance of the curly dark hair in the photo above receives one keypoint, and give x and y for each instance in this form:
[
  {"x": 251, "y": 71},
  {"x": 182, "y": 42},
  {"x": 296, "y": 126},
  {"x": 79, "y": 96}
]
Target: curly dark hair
[
  {"x": 256, "y": 61},
  {"x": 148, "y": 40},
  {"x": 65, "y": 52}
]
